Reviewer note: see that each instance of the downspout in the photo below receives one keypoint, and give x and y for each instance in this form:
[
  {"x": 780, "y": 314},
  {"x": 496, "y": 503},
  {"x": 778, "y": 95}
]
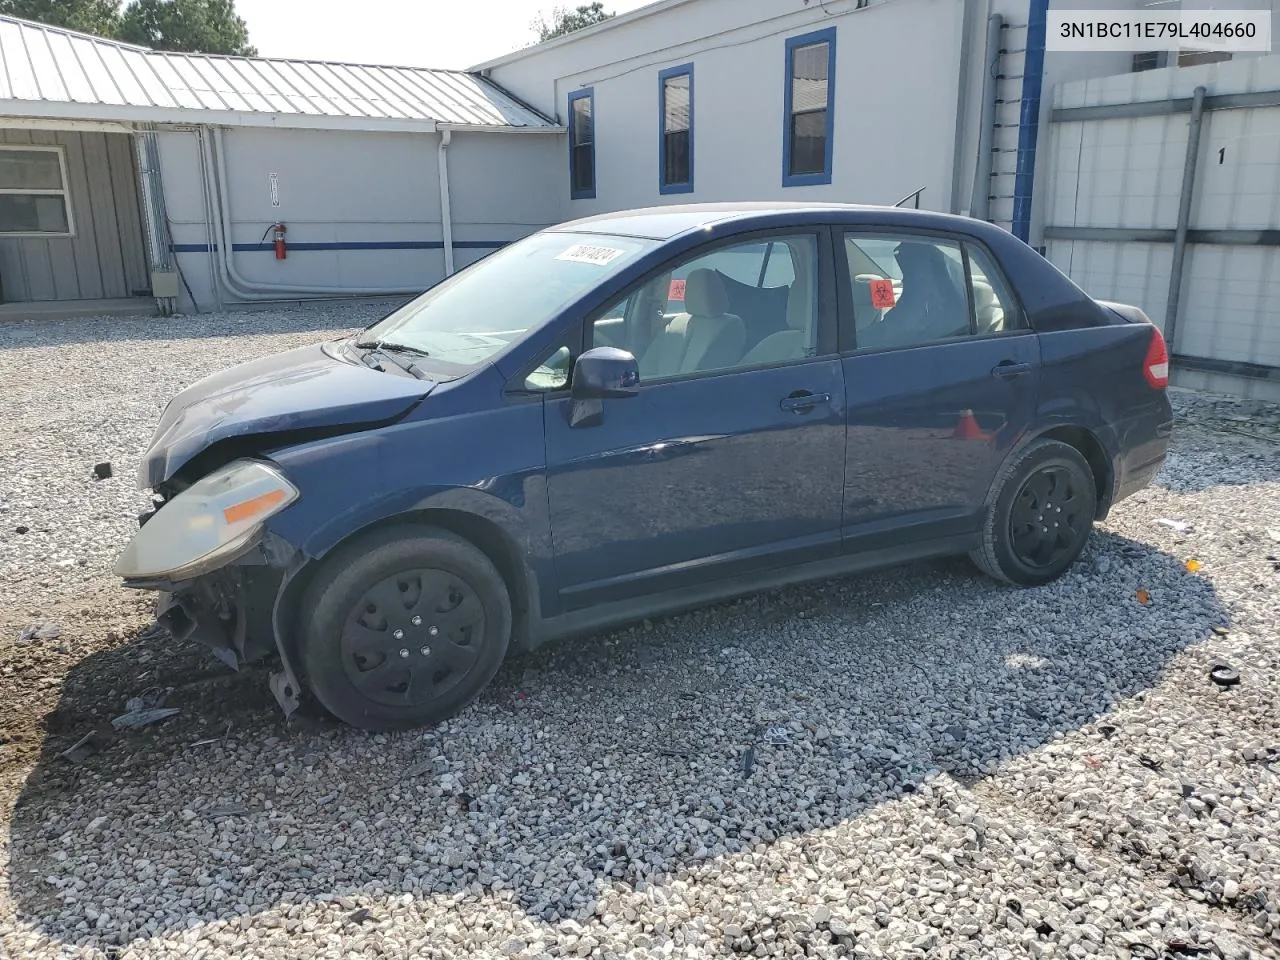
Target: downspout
[
  {"x": 967, "y": 24},
  {"x": 259, "y": 290},
  {"x": 1029, "y": 121},
  {"x": 1184, "y": 216},
  {"x": 980, "y": 200},
  {"x": 446, "y": 215}
]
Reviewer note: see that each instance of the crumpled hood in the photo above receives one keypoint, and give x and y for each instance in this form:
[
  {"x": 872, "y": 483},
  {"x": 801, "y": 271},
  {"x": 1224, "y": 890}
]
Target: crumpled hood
[{"x": 300, "y": 389}]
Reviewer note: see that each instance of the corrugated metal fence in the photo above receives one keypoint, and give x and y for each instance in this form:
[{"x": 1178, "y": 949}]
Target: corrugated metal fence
[{"x": 1119, "y": 169}]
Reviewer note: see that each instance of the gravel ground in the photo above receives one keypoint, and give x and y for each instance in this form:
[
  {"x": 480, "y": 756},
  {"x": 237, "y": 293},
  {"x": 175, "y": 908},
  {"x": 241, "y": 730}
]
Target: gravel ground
[{"x": 917, "y": 763}]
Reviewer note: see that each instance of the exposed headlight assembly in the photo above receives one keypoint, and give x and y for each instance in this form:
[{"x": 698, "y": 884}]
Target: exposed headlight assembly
[{"x": 207, "y": 524}]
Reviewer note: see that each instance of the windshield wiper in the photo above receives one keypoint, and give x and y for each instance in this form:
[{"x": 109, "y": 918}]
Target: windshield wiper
[
  {"x": 389, "y": 350},
  {"x": 391, "y": 347}
]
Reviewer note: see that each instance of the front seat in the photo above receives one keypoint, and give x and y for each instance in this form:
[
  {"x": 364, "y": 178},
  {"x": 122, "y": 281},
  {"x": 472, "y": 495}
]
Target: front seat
[
  {"x": 932, "y": 306},
  {"x": 707, "y": 337},
  {"x": 793, "y": 343}
]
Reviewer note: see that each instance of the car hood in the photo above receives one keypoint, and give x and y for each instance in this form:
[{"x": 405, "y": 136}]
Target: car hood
[{"x": 305, "y": 389}]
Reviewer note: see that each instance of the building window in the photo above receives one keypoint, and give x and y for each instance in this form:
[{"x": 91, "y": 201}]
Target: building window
[
  {"x": 675, "y": 162},
  {"x": 33, "y": 192},
  {"x": 582, "y": 145},
  {"x": 1193, "y": 58},
  {"x": 810, "y": 109}
]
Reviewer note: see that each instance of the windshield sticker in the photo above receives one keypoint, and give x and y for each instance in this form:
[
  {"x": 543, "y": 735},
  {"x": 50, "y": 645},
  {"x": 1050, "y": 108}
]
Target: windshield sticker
[
  {"x": 677, "y": 290},
  {"x": 882, "y": 294},
  {"x": 587, "y": 253}
]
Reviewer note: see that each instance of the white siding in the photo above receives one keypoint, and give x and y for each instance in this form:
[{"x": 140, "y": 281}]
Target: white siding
[{"x": 342, "y": 188}]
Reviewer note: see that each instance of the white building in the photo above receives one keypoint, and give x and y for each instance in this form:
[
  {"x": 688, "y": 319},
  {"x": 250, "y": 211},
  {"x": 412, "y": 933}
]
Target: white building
[{"x": 385, "y": 179}]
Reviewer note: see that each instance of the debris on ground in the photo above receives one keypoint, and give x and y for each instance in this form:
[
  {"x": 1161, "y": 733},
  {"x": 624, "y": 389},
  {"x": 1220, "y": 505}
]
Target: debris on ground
[
  {"x": 91, "y": 743},
  {"x": 40, "y": 631},
  {"x": 1178, "y": 526},
  {"x": 1224, "y": 675},
  {"x": 137, "y": 719},
  {"x": 102, "y": 471}
]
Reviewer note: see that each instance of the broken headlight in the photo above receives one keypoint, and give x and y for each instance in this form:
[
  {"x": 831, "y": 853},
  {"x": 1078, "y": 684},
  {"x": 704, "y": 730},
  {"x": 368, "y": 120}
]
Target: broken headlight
[{"x": 207, "y": 524}]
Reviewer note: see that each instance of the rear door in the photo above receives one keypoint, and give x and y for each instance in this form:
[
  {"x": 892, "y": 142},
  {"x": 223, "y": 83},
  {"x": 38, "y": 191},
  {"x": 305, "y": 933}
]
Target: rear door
[{"x": 941, "y": 372}]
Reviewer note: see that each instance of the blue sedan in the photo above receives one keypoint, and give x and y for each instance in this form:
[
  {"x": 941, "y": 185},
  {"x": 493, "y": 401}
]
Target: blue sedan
[{"x": 633, "y": 414}]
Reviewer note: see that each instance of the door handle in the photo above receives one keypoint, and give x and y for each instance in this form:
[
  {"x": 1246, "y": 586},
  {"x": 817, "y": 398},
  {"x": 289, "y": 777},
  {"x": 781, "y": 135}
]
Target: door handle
[
  {"x": 802, "y": 401},
  {"x": 1007, "y": 370}
]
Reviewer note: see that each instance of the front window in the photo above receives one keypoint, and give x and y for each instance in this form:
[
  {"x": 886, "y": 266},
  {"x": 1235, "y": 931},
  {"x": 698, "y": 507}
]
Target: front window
[
  {"x": 677, "y": 130},
  {"x": 810, "y": 85},
  {"x": 475, "y": 314},
  {"x": 582, "y": 145}
]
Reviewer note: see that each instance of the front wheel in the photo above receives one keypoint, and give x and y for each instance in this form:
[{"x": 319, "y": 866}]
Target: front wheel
[
  {"x": 402, "y": 630},
  {"x": 1040, "y": 515}
]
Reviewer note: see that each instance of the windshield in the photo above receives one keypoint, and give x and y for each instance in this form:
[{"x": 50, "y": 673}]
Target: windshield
[{"x": 473, "y": 315}]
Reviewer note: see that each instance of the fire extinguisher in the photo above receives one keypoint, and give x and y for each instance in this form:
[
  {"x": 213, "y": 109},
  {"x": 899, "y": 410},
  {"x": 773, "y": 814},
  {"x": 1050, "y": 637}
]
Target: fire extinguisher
[{"x": 278, "y": 234}]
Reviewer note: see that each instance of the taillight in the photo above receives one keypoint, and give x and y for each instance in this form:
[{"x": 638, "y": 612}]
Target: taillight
[{"x": 1156, "y": 366}]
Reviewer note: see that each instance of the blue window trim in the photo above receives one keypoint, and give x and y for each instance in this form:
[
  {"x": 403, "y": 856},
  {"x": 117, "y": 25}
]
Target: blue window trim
[
  {"x": 827, "y": 36},
  {"x": 587, "y": 93},
  {"x": 664, "y": 188}
]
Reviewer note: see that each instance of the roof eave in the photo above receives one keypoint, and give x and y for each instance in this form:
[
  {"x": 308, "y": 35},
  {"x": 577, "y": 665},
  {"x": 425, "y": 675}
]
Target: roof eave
[
  {"x": 621, "y": 20},
  {"x": 123, "y": 113}
]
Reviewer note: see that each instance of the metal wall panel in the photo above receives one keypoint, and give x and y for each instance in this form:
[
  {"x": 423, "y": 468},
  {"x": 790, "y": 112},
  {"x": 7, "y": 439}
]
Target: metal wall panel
[{"x": 105, "y": 257}]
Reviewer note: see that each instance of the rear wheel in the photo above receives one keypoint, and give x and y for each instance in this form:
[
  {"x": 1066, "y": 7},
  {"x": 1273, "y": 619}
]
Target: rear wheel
[
  {"x": 1040, "y": 515},
  {"x": 403, "y": 629}
]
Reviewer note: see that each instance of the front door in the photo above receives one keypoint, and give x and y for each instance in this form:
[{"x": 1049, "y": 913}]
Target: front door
[
  {"x": 941, "y": 383},
  {"x": 730, "y": 458}
]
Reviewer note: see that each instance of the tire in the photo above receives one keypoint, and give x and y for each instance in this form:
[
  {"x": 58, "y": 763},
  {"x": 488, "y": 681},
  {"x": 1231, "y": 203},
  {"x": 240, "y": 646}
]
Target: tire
[
  {"x": 414, "y": 582},
  {"x": 1046, "y": 475}
]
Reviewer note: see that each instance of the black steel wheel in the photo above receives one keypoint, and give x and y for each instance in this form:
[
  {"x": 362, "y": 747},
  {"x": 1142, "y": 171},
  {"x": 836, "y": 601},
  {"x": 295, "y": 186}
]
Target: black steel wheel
[
  {"x": 403, "y": 629},
  {"x": 1039, "y": 516}
]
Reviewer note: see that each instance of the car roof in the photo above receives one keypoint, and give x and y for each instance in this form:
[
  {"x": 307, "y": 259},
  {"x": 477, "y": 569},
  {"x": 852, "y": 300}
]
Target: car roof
[{"x": 669, "y": 222}]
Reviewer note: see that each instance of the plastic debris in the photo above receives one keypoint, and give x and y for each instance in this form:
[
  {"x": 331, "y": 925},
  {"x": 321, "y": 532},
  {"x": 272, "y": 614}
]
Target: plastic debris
[
  {"x": 1151, "y": 763},
  {"x": 1193, "y": 566},
  {"x": 1144, "y": 598},
  {"x": 1224, "y": 675},
  {"x": 102, "y": 471},
  {"x": 1221, "y": 631},
  {"x": 146, "y": 700},
  {"x": 84, "y": 748},
  {"x": 20, "y": 528},
  {"x": 137, "y": 719},
  {"x": 748, "y": 762},
  {"x": 1179, "y": 526},
  {"x": 27, "y": 634},
  {"x": 360, "y": 916}
]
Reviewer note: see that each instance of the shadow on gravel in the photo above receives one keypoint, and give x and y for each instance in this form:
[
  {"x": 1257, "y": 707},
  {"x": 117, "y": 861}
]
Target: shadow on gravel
[
  {"x": 266, "y": 319},
  {"x": 609, "y": 760}
]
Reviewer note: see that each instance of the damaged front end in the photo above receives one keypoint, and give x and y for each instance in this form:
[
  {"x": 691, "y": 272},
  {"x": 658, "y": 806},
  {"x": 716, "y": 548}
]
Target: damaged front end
[{"x": 220, "y": 574}]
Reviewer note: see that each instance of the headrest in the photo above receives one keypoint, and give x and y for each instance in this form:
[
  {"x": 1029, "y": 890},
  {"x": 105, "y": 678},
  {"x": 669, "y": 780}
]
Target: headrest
[
  {"x": 919, "y": 256},
  {"x": 983, "y": 294},
  {"x": 704, "y": 294}
]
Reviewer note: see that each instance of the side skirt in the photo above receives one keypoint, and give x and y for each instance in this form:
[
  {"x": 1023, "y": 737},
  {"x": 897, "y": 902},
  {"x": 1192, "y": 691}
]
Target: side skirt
[{"x": 667, "y": 602}]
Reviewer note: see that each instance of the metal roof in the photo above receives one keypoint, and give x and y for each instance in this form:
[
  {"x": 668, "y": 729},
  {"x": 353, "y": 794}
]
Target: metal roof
[{"x": 49, "y": 72}]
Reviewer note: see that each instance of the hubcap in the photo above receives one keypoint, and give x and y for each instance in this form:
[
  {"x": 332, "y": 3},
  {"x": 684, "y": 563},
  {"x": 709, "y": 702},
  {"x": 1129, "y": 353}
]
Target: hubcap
[
  {"x": 384, "y": 644},
  {"x": 1048, "y": 517}
]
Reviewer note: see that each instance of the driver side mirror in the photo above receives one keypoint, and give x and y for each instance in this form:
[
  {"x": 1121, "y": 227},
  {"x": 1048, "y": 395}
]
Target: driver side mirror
[{"x": 605, "y": 373}]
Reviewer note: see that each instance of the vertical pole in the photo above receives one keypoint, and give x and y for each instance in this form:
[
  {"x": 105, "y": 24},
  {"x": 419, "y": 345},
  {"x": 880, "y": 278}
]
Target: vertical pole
[
  {"x": 980, "y": 202},
  {"x": 1029, "y": 121},
  {"x": 968, "y": 24},
  {"x": 1184, "y": 216},
  {"x": 446, "y": 214}
]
